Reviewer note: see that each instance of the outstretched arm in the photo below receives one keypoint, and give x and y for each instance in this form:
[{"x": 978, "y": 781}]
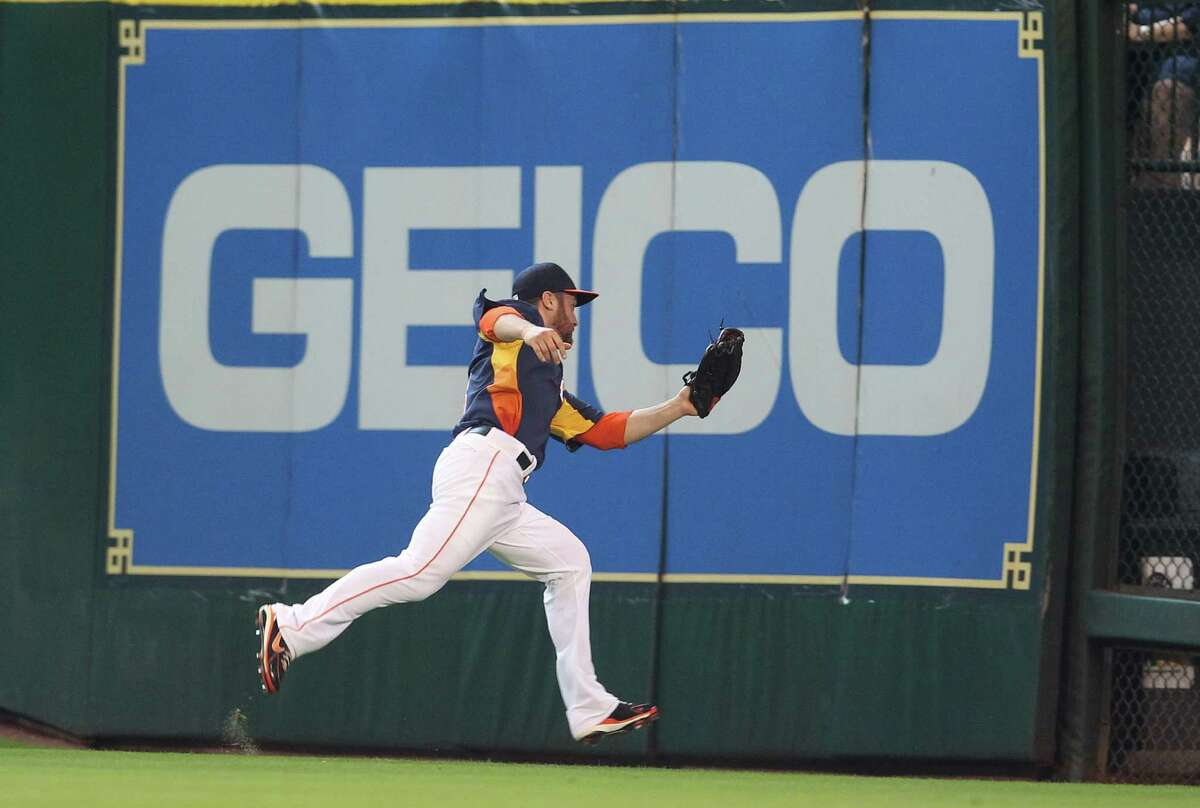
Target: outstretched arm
[{"x": 648, "y": 420}]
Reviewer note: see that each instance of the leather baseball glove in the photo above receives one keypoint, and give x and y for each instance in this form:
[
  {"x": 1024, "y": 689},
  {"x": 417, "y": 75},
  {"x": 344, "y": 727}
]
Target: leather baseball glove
[{"x": 718, "y": 370}]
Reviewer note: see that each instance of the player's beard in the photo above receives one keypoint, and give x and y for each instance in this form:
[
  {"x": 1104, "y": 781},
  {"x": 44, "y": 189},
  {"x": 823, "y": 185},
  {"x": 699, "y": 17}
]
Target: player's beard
[{"x": 565, "y": 332}]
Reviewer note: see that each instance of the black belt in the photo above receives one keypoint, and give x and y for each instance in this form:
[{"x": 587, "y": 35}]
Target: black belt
[{"x": 523, "y": 459}]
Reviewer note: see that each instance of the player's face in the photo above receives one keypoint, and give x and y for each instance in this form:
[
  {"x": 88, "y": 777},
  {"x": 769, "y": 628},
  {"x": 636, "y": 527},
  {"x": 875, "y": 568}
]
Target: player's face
[{"x": 562, "y": 317}]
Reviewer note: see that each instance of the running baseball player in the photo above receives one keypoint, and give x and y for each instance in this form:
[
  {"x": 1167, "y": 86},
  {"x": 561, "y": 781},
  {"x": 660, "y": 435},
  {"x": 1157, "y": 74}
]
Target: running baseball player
[{"x": 515, "y": 402}]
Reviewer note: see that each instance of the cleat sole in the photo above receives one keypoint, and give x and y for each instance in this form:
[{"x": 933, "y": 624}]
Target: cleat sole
[{"x": 598, "y": 736}]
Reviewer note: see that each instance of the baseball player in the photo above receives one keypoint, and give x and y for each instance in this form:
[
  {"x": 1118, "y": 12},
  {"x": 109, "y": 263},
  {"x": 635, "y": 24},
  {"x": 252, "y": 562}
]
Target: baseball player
[{"x": 515, "y": 402}]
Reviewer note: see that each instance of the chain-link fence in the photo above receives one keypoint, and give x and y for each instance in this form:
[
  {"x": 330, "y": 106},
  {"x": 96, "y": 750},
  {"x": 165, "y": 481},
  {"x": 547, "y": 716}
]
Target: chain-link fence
[
  {"x": 1155, "y": 718},
  {"x": 1163, "y": 65},
  {"x": 1155, "y": 731}
]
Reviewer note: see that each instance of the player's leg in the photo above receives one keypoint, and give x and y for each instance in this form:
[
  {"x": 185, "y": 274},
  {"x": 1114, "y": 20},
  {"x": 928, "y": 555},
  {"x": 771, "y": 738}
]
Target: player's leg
[
  {"x": 543, "y": 548},
  {"x": 477, "y": 493}
]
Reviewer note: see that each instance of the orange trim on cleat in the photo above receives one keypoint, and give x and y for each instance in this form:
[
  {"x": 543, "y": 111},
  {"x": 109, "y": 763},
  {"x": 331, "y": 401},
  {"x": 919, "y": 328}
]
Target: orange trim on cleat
[
  {"x": 273, "y": 654},
  {"x": 625, "y": 718}
]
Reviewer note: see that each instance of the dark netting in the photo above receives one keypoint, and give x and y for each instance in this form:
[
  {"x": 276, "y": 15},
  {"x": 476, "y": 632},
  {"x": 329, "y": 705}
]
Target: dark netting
[
  {"x": 1155, "y": 730},
  {"x": 1155, "y": 734}
]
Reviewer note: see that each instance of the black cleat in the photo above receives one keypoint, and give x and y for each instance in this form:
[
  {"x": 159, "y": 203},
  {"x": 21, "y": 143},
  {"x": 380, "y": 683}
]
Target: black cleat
[
  {"x": 273, "y": 654},
  {"x": 625, "y": 718}
]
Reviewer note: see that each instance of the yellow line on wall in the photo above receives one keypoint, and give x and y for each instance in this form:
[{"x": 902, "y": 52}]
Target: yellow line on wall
[{"x": 616, "y": 577}]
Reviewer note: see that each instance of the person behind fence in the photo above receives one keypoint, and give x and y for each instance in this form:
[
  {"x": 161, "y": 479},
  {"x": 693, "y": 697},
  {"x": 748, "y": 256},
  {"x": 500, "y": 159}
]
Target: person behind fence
[{"x": 1168, "y": 128}]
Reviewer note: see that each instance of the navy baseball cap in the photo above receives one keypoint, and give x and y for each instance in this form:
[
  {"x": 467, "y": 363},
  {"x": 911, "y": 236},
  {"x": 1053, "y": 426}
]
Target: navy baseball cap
[{"x": 532, "y": 281}]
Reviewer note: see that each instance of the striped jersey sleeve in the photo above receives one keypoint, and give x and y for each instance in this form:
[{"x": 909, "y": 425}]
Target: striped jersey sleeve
[
  {"x": 578, "y": 423},
  {"x": 487, "y": 312}
]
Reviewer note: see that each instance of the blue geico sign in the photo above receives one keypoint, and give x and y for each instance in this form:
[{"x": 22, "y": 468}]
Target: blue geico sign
[{"x": 308, "y": 213}]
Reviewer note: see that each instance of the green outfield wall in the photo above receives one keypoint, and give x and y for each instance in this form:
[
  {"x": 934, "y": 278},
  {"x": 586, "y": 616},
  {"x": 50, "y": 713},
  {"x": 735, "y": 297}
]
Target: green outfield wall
[
  {"x": 741, "y": 670},
  {"x": 57, "y": 181}
]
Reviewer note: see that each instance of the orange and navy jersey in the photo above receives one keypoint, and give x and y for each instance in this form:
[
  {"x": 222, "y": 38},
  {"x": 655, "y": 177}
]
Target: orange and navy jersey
[{"x": 510, "y": 388}]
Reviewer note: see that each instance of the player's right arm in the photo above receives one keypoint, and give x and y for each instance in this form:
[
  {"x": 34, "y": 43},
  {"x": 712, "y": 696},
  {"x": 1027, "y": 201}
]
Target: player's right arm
[{"x": 509, "y": 326}]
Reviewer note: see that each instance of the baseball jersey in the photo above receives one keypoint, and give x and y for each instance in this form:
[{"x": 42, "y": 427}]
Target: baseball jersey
[{"x": 508, "y": 387}]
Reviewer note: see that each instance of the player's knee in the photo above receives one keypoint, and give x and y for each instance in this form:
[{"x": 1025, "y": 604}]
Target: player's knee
[
  {"x": 578, "y": 562},
  {"x": 573, "y": 567}
]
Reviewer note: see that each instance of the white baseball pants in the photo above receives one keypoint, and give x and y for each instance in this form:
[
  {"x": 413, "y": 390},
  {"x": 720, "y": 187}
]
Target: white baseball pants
[{"x": 478, "y": 504}]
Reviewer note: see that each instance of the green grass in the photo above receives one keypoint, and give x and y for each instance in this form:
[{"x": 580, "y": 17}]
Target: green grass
[{"x": 48, "y": 777}]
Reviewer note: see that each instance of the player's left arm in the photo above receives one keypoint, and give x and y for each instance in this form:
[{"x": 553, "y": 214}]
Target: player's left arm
[
  {"x": 648, "y": 420},
  {"x": 579, "y": 424}
]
